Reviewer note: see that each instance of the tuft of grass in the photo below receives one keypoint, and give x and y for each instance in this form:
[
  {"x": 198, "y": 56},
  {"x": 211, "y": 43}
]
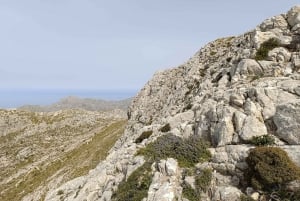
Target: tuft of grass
[
  {"x": 135, "y": 188},
  {"x": 189, "y": 193},
  {"x": 188, "y": 152},
  {"x": 203, "y": 180},
  {"x": 265, "y": 47},
  {"x": 144, "y": 135},
  {"x": 262, "y": 140}
]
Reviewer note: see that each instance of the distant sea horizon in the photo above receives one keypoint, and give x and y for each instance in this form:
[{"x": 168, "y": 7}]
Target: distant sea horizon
[{"x": 14, "y": 98}]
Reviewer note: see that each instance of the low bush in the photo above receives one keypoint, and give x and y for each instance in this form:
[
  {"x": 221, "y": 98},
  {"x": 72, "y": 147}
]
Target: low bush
[
  {"x": 188, "y": 152},
  {"x": 165, "y": 128},
  {"x": 270, "y": 168},
  {"x": 265, "y": 47},
  {"x": 135, "y": 188},
  {"x": 144, "y": 135},
  {"x": 262, "y": 140}
]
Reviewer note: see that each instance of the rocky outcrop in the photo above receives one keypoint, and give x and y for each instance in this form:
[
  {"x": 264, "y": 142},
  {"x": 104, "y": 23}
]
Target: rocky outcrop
[{"x": 223, "y": 94}]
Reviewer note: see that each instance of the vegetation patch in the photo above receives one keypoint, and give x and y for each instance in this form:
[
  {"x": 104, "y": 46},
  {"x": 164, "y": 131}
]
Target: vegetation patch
[
  {"x": 135, "y": 188},
  {"x": 246, "y": 198},
  {"x": 262, "y": 140},
  {"x": 144, "y": 135},
  {"x": 270, "y": 168},
  {"x": 189, "y": 193},
  {"x": 265, "y": 47},
  {"x": 165, "y": 128},
  {"x": 203, "y": 180},
  {"x": 188, "y": 152}
]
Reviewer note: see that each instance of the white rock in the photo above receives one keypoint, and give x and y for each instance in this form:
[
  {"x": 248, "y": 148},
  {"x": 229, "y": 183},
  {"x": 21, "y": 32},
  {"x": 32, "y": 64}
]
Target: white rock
[
  {"x": 252, "y": 127},
  {"x": 171, "y": 167}
]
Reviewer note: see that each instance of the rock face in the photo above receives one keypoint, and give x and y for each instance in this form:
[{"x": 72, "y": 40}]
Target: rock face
[{"x": 222, "y": 94}]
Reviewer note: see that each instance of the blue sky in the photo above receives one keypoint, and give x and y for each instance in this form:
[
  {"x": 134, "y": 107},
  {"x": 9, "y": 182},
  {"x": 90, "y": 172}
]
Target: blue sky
[{"x": 113, "y": 44}]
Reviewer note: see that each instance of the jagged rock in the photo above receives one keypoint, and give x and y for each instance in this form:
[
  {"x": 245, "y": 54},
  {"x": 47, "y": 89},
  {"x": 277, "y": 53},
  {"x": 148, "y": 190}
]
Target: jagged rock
[
  {"x": 245, "y": 68},
  {"x": 293, "y": 16},
  {"x": 287, "y": 120},
  {"x": 276, "y": 22},
  {"x": 165, "y": 183},
  {"x": 279, "y": 54},
  {"x": 222, "y": 132}
]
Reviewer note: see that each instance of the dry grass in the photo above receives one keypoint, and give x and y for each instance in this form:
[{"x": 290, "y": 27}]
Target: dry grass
[{"x": 69, "y": 163}]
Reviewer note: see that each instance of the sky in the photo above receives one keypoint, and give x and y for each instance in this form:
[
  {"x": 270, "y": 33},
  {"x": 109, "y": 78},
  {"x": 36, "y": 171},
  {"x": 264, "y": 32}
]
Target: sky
[{"x": 113, "y": 44}]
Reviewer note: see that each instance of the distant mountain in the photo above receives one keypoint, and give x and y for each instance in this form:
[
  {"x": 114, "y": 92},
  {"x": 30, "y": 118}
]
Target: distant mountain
[{"x": 73, "y": 102}]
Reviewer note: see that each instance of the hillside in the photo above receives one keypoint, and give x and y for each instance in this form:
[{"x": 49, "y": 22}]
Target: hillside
[
  {"x": 40, "y": 151},
  {"x": 222, "y": 126},
  {"x": 73, "y": 102}
]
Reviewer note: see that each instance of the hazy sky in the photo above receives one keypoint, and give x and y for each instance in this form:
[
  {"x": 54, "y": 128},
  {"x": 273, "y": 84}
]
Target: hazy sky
[{"x": 113, "y": 44}]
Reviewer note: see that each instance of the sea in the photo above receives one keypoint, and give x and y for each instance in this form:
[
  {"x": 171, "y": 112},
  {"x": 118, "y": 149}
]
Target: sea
[{"x": 14, "y": 98}]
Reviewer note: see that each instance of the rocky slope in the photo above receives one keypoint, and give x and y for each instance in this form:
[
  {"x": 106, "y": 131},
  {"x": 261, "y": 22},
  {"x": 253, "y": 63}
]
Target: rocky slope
[
  {"x": 232, "y": 90},
  {"x": 40, "y": 151},
  {"x": 73, "y": 102}
]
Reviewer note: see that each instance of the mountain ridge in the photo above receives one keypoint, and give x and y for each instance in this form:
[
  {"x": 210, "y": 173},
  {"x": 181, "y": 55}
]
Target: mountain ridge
[
  {"x": 232, "y": 92},
  {"x": 74, "y": 102}
]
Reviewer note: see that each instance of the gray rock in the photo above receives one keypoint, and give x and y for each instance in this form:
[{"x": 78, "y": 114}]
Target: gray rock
[
  {"x": 279, "y": 54},
  {"x": 293, "y": 16},
  {"x": 227, "y": 194},
  {"x": 287, "y": 121}
]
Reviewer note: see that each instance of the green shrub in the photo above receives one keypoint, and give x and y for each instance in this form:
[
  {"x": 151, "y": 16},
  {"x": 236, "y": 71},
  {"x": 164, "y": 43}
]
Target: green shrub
[
  {"x": 188, "y": 152},
  {"x": 265, "y": 47},
  {"x": 189, "y": 193},
  {"x": 203, "y": 180},
  {"x": 144, "y": 135},
  {"x": 270, "y": 168},
  {"x": 262, "y": 140},
  {"x": 135, "y": 188},
  {"x": 165, "y": 128}
]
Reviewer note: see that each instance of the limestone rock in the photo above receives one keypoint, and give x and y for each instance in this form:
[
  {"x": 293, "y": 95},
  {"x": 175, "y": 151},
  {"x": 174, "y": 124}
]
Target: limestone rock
[
  {"x": 252, "y": 127},
  {"x": 287, "y": 120},
  {"x": 227, "y": 193},
  {"x": 279, "y": 54},
  {"x": 293, "y": 16}
]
